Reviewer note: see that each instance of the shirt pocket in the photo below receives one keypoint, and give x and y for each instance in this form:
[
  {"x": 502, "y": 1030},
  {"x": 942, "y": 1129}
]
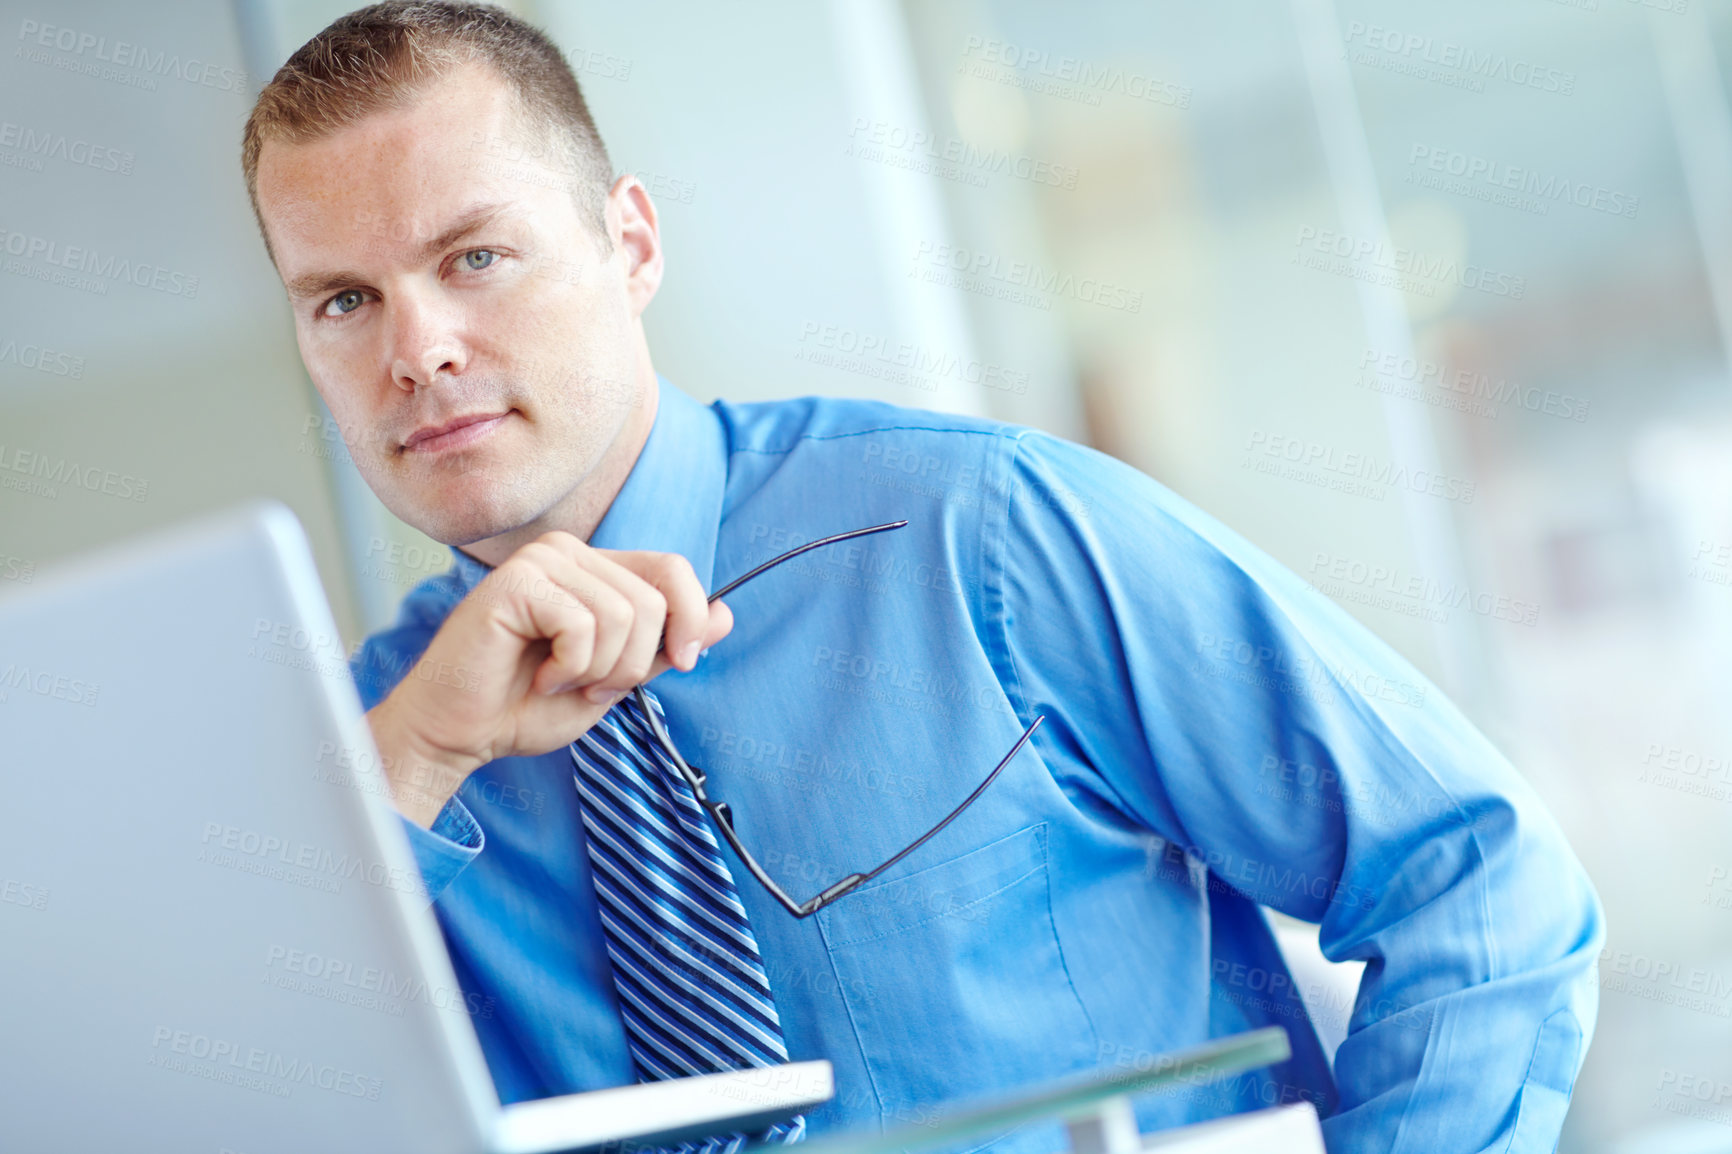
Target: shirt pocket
[{"x": 955, "y": 980}]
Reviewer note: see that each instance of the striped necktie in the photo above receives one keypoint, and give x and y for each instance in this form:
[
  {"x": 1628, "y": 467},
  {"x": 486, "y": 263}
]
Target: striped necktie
[{"x": 692, "y": 989}]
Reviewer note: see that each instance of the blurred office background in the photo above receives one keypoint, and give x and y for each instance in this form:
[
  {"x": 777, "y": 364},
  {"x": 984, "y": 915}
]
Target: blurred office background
[{"x": 1486, "y": 241}]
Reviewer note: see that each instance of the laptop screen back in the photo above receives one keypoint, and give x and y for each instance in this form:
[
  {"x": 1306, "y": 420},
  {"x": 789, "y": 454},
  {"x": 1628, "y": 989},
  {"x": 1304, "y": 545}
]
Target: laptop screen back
[{"x": 212, "y": 933}]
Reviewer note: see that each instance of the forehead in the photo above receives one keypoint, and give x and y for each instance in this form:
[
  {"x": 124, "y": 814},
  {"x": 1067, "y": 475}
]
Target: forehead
[{"x": 400, "y": 176}]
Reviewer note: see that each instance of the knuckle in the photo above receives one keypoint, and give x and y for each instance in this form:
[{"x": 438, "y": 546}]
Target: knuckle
[
  {"x": 612, "y": 605},
  {"x": 512, "y": 576},
  {"x": 533, "y": 557},
  {"x": 582, "y": 627}
]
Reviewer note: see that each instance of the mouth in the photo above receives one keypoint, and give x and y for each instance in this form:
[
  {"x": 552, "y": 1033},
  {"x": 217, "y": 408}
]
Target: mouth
[{"x": 457, "y": 433}]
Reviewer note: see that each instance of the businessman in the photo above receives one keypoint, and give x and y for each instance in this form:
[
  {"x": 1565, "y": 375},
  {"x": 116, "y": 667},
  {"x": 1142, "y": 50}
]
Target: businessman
[{"x": 468, "y": 283}]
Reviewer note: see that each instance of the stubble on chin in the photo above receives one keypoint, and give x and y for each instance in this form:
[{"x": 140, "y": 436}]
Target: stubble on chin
[
  {"x": 453, "y": 507},
  {"x": 519, "y": 482}
]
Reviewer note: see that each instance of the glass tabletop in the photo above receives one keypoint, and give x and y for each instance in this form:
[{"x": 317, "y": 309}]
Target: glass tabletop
[{"x": 1066, "y": 1100}]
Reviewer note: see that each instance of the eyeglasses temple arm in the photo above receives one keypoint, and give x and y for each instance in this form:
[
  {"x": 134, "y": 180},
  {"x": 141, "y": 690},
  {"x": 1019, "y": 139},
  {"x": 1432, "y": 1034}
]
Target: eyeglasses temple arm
[
  {"x": 717, "y": 810},
  {"x": 968, "y": 801},
  {"x": 751, "y": 863},
  {"x": 830, "y": 540},
  {"x": 774, "y": 561}
]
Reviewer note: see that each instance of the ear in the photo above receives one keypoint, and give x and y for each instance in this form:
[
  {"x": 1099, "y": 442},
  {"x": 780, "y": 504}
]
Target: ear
[{"x": 637, "y": 242}]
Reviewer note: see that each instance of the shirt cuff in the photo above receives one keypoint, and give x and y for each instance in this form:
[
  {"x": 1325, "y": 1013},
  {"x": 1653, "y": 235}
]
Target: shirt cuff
[{"x": 443, "y": 851}]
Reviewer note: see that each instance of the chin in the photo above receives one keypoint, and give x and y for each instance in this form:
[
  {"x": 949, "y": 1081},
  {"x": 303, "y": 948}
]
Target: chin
[{"x": 465, "y": 513}]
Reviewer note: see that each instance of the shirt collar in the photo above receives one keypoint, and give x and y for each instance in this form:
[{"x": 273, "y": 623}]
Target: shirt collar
[{"x": 671, "y": 501}]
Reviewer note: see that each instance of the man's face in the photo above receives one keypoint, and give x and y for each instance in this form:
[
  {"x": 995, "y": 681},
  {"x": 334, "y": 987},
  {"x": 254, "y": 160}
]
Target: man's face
[{"x": 479, "y": 351}]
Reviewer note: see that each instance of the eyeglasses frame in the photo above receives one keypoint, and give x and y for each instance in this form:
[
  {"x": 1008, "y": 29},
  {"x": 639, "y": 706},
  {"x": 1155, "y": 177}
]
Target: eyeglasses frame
[{"x": 719, "y": 812}]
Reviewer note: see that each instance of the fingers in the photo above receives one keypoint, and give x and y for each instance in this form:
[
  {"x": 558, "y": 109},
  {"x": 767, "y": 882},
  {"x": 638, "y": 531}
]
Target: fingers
[
  {"x": 542, "y": 594},
  {"x": 720, "y": 623},
  {"x": 688, "y": 611},
  {"x": 556, "y": 616},
  {"x": 638, "y": 631},
  {"x": 612, "y": 620}
]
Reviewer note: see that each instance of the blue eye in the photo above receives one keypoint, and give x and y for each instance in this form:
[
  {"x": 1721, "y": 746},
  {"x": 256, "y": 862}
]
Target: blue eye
[
  {"x": 478, "y": 259},
  {"x": 345, "y": 302}
]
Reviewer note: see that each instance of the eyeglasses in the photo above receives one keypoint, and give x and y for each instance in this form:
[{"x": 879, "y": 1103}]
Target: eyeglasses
[{"x": 723, "y": 817}]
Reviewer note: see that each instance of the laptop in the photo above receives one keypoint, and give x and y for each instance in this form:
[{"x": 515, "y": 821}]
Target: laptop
[{"x": 213, "y": 935}]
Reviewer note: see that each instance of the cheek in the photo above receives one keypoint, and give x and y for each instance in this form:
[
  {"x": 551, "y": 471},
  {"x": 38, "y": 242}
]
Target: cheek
[
  {"x": 331, "y": 372},
  {"x": 554, "y": 341},
  {"x": 555, "y": 313},
  {"x": 341, "y": 371},
  {"x": 351, "y": 427}
]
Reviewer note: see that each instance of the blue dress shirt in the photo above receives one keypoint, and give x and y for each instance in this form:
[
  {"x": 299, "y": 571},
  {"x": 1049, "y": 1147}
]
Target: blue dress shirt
[{"x": 1218, "y": 736}]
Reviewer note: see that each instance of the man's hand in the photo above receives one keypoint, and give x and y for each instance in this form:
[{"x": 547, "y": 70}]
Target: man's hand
[{"x": 534, "y": 656}]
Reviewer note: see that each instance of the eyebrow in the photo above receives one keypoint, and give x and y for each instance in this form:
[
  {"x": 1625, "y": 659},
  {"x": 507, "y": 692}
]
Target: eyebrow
[{"x": 314, "y": 284}]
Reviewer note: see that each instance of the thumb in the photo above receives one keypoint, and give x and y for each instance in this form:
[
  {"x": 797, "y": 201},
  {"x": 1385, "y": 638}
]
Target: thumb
[{"x": 720, "y": 625}]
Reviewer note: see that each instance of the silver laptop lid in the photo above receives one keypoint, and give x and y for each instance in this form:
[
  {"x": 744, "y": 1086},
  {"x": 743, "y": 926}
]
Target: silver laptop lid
[{"x": 212, "y": 932}]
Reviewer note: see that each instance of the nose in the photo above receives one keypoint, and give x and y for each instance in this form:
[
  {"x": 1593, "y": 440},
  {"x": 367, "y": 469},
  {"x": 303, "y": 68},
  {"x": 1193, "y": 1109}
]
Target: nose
[{"x": 426, "y": 340}]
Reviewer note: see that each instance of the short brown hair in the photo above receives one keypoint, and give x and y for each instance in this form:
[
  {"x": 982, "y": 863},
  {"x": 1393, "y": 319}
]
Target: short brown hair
[{"x": 380, "y": 57}]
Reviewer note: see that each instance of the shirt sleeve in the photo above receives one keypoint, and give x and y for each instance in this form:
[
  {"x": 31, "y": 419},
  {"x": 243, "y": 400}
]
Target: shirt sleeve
[
  {"x": 443, "y": 850},
  {"x": 1209, "y": 694}
]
